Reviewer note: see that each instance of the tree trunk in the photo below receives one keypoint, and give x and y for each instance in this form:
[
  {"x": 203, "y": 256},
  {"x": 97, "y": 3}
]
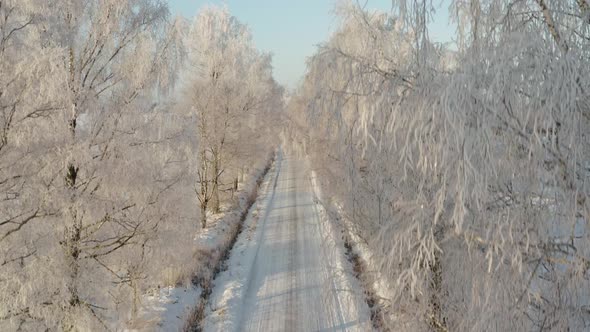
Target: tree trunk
[
  {"x": 71, "y": 246},
  {"x": 203, "y": 194},
  {"x": 379, "y": 202},
  {"x": 204, "y": 215},
  {"x": 437, "y": 319},
  {"x": 134, "y": 276},
  {"x": 234, "y": 187},
  {"x": 71, "y": 242},
  {"x": 216, "y": 202},
  {"x": 552, "y": 27}
]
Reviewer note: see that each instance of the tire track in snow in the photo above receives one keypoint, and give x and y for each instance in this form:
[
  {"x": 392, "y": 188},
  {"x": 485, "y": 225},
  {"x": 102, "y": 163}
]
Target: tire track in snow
[
  {"x": 290, "y": 306},
  {"x": 290, "y": 283}
]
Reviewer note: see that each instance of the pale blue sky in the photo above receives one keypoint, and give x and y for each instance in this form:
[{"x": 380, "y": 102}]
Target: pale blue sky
[{"x": 290, "y": 30}]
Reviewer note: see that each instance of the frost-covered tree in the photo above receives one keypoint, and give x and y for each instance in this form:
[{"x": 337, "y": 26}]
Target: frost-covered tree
[
  {"x": 97, "y": 151},
  {"x": 465, "y": 171},
  {"x": 231, "y": 85},
  {"x": 30, "y": 98},
  {"x": 76, "y": 76}
]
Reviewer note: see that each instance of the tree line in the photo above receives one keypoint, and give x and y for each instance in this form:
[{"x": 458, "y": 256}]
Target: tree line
[
  {"x": 118, "y": 124},
  {"x": 464, "y": 166}
]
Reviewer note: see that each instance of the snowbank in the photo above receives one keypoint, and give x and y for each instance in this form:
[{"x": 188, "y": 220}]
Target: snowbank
[
  {"x": 366, "y": 269},
  {"x": 175, "y": 308}
]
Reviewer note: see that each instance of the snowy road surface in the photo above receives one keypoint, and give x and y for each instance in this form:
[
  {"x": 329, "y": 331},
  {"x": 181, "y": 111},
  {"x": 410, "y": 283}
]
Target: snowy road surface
[{"x": 289, "y": 276}]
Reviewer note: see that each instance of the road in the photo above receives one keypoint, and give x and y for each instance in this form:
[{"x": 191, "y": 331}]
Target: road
[{"x": 297, "y": 281}]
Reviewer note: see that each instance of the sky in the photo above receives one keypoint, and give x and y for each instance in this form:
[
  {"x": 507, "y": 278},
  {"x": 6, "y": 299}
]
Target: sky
[{"x": 292, "y": 29}]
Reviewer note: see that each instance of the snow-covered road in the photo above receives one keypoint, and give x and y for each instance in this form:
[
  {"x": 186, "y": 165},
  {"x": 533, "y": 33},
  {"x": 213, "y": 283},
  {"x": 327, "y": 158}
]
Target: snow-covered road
[{"x": 288, "y": 276}]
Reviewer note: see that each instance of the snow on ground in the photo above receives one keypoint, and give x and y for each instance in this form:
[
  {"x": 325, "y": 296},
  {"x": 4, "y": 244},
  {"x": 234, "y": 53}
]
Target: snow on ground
[
  {"x": 379, "y": 283},
  {"x": 338, "y": 224},
  {"x": 168, "y": 308},
  {"x": 224, "y": 311},
  {"x": 288, "y": 270}
]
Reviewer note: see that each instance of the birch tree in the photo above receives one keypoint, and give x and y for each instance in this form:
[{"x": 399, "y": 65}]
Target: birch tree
[
  {"x": 71, "y": 220},
  {"x": 458, "y": 168},
  {"x": 231, "y": 82}
]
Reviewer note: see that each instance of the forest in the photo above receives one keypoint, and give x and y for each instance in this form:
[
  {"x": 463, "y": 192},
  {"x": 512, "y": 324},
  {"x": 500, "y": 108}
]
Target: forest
[
  {"x": 107, "y": 159},
  {"x": 466, "y": 171},
  {"x": 463, "y": 168}
]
